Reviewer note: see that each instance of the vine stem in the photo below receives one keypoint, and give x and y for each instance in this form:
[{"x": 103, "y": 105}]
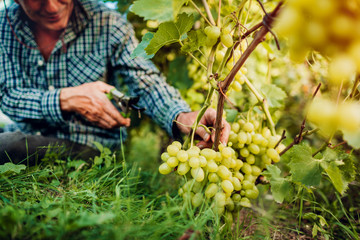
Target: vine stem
[
  {"x": 259, "y": 37},
  {"x": 208, "y": 12},
  {"x": 202, "y": 15},
  {"x": 207, "y": 102}
]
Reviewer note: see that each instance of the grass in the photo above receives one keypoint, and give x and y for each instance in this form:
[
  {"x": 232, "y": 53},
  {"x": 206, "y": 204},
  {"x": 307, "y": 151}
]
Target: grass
[{"x": 128, "y": 199}]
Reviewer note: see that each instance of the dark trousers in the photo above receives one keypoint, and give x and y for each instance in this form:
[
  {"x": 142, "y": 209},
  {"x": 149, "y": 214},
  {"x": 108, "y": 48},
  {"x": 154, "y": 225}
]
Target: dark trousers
[{"x": 18, "y": 147}]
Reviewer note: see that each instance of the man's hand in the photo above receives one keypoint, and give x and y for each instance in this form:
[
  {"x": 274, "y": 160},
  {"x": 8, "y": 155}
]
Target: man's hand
[
  {"x": 187, "y": 119},
  {"x": 90, "y": 101}
]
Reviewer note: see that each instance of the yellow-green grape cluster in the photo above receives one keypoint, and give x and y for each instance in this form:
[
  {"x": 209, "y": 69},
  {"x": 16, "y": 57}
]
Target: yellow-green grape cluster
[
  {"x": 224, "y": 179},
  {"x": 329, "y": 116},
  {"x": 330, "y": 27}
]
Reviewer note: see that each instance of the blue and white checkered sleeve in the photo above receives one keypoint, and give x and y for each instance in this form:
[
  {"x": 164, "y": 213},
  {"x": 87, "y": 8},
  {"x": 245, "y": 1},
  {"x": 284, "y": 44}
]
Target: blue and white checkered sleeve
[
  {"x": 162, "y": 102},
  {"x": 26, "y": 104}
]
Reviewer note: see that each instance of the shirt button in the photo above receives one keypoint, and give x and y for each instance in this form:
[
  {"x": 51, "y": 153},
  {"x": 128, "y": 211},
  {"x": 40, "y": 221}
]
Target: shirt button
[
  {"x": 40, "y": 63},
  {"x": 51, "y": 87}
]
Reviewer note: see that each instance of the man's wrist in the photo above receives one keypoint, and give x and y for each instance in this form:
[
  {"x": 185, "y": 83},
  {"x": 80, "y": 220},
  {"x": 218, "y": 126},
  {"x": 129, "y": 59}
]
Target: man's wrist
[{"x": 64, "y": 99}]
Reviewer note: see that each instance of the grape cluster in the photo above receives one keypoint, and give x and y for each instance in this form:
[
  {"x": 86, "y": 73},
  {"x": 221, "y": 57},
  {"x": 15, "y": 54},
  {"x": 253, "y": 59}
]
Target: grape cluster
[
  {"x": 330, "y": 27},
  {"x": 224, "y": 179}
]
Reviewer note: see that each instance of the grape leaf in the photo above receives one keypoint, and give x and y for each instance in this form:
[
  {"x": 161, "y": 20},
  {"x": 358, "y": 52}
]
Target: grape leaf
[
  {"x": 352, "y": 138},
  {"x": 178, "y": 74},
  {"x": 280, "y": 187},
  {"x": 11, "y": 168},
  {"x": 160, "y": 10},
  {"x": 170, "y": 32},
  {"x": 196, "y": 39},
  {"x": 139, "y": 51},
  {"x": 274, "y": 95},
  {"x": 339, "y": 176},
  {"x": 231, "y": 115},
  {"x": 304, "y": 167}
]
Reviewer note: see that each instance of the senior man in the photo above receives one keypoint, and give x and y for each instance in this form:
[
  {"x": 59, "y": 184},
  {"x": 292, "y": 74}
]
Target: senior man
[{"x": 58, "y": 58}]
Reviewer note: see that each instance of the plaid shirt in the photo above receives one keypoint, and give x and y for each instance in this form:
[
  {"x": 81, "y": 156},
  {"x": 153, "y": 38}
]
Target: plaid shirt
[{"x": 96, "y": 44}]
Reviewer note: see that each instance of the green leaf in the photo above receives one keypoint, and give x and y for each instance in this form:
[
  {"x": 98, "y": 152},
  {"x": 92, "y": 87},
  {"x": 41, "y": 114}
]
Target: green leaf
[
  {"x": 280, "y": 187},
  {"x": 11, "y": 168},
  {"x": 170, "y": 32},
  {"x": 160, "y": 10},
  {"x": 304, "y": 167},
  {"x": 352, "y": 138},
  {"x": 98, "y": 160},
  {"x": 99, "y": 146},
  {"x": 274, "y": 95},
  {"x": 336, "y": 165},
  {"x": 231, "y": 115},
  {"x": 196, "y": 39},
  {"x": 178, "y": 74},
  {"x": 139, "y": 51}
]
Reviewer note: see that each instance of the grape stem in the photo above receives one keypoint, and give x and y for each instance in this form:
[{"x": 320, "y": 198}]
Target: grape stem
[
  {"x": 195, "y": 58},
  {"x": 259, "y": 37},
  {"x": 202, "y": 15},
  {"x": 208, "y": 12},
  {"x": 207, "y": 102},
  {"x": 356, "y": 84},
  {"x": 298, "y": 138}
]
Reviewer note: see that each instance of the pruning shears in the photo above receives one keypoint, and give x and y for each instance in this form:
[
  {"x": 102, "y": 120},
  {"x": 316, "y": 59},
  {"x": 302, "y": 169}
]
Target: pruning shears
[{"x": 125, "y": 103}]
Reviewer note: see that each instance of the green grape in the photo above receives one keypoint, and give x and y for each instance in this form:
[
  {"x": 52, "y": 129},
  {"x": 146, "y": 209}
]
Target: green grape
[
  {"x": 172, "y": 150},
  {"x": 238, "y": 165},
  {"x": 226, "y": 152},
  {"x": 227, "y": 40},
  {"x": 239, "y": 175},
  {"x": 256, "y": 171},
  {"x": 237, "y": 86},
  {"x": 196, "y": 187},
  {"x": 236, "y": 183},
  {"x": 244, "y": 152},
  {"x": 197, "y": 200},
  {"x": 233, "y": 163},
  {"x": 242, "y": 193},
  {"x": 254, "y": 149},
  {"x": 183, "y": 168},
  {"x": 177, "y": 144},
  {"x": 229, "y": 204},
  {"x": 245, "y": 202},
  {"x": 242, "y": 137},
  {"x": 227, "y": 186},
  {"x": 208, "y": 153},
  {"x": 226, "y": 162},
  {"x": 257, "y": 138},
  {"x": 220, "y": 199},
  {"x": 246, "y": 168},
  {"x": 236, "y": 197},
  {"x": 182, "y": 156},
  {"x": 250, "y": 178},
  {"x": 198, "y": 174},
  {"x": 272, "y": 154},
  {"x": 192, "y": 153},
  {"x": 212, "y": 167},
  {"x": 194, "y": 162},
  {"x": 218, "y": 157},
  {"x": 248, "y": 127},
  {"x": 250, "y": 159},
  {"x": 211, "y": 190},
  {"x": 165, "y": 156},
  {"x": 219, "y": 56},
  {"x": 180, "y": 192},
  {"x": 249, "y": 193},
  {"x": 203, "y": 161},
  {"x": 164, "y": 169},
  {"x": 226, "y": 30},
  {"x": 172, "y": 162},
  {"x": 264, "y": 143},
  {"x": 212, "y": 32},
  {"x": 266, "y": 132},
  {"x": 247, "y": 185},
  {"x": 235, "y": 127},
  {"x": 273, "y": 140},
  {"x": 265, "y": 160},
  {"x": 213, "y": 177},
  {"x": 223, "y": 172},
  {"x": 187, "y": 196}
]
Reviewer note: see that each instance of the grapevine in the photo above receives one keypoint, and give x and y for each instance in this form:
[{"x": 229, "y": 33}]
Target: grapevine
[{"x": 224, "y": 177}]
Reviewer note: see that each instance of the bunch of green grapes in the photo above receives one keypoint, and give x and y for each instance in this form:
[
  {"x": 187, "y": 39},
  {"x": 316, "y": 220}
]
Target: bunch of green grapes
[
  {"x": 330, "y": 27},
  {"x": 224, "y": 180}
]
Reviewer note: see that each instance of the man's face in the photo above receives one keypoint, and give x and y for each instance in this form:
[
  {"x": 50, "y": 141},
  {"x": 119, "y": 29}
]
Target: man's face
[{"x": 50, "y": 15}]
